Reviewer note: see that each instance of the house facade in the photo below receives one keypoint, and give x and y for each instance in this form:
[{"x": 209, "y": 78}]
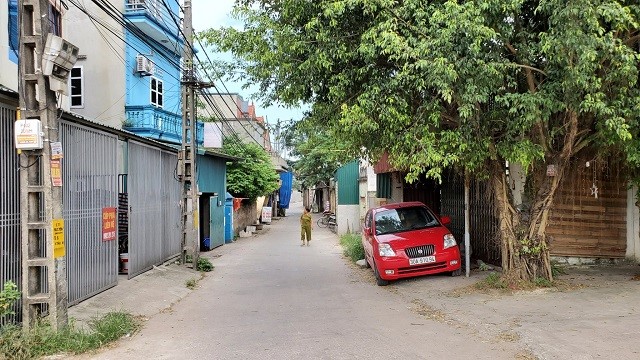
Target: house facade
[{"x": 105, "y": 169}]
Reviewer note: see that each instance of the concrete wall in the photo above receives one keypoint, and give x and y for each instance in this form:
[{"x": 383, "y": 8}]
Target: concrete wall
[
  {"x": 244, "y": 217},
  {"x": 348, "y": 219},
  {"x": 103, "y": 68}
]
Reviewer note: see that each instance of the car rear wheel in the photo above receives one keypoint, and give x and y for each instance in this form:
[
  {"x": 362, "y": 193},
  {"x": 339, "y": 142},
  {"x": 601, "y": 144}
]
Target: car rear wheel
[{"x": 380, "y": 281}]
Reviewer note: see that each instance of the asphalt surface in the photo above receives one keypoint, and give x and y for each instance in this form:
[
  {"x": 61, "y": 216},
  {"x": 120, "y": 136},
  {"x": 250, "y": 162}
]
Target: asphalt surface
[{"x": 270, "y": 298}]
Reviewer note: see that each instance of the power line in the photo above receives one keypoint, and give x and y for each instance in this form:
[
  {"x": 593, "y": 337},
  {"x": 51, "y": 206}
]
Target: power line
[{"x": 200, "y": 62}]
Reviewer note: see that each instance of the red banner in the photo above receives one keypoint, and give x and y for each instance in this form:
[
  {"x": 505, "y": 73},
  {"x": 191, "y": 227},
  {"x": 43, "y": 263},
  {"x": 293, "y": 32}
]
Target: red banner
[{"x": 109, "y": 231}]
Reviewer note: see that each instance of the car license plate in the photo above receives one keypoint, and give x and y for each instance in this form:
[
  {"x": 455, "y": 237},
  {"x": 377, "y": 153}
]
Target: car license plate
[{"x": 422, "y": 260}]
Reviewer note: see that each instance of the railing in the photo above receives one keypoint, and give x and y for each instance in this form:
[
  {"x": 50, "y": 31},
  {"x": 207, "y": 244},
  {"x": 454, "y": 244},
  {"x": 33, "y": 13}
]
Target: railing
[
  {"x": 154, "y": 9},
  {"x": 158, "y": 124}
]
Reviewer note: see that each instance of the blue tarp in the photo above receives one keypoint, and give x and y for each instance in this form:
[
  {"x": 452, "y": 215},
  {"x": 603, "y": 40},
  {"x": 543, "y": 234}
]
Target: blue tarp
[{"x": 285, "y": 189}]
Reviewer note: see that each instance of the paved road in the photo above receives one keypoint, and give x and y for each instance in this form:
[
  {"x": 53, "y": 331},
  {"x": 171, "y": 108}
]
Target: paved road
[{"x": 269, "y": 298}]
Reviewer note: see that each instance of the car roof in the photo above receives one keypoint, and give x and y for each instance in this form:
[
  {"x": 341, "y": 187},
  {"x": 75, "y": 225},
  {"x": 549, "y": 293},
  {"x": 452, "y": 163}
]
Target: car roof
[{"x": 398, "y": 206}]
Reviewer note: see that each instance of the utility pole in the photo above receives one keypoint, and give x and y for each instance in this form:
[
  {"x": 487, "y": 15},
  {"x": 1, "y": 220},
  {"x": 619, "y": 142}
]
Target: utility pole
[
  {"x": 188, "y": 175},
  {"x": 44, "y": 277}
]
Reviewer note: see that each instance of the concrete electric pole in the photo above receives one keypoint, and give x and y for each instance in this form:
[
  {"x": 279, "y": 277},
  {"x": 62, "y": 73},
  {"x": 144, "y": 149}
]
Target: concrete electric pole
[
  {"x": 44, "y": 277},
  {"x": 188, "y": 175}
]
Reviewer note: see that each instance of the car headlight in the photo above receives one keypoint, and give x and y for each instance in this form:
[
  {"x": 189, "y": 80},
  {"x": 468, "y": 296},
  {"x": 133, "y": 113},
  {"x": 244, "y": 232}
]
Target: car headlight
[
  {"x": 386, "y": 250},
  {"x": 449, "y": 241}
]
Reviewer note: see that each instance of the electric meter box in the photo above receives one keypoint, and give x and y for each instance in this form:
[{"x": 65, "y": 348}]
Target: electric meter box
[{"x": 28, "y": 134}]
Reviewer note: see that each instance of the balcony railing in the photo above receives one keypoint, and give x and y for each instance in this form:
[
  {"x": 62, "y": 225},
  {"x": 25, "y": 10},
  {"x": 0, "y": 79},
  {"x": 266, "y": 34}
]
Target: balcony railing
[
  {"x": 156, "y": 11},
  {"x": 158, "y": 124}
]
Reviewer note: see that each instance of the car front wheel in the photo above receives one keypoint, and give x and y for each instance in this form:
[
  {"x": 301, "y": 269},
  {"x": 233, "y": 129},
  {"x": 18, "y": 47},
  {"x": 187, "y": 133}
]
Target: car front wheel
[
  {"x": 380, "y": 281},
  {"x": 457, "y": 272}
]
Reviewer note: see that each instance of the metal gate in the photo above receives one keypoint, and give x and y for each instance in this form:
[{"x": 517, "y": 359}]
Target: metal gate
[
  {"x": 485, "y": 232},
  {"x": 10, "y": 267},
  {"x": 89, "y": 171},
  {"x": 154, "y": 207}
]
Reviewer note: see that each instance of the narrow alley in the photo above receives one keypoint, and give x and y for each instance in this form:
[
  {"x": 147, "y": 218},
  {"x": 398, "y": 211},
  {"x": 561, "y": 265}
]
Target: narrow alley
[{"x": 270, "y": 298}]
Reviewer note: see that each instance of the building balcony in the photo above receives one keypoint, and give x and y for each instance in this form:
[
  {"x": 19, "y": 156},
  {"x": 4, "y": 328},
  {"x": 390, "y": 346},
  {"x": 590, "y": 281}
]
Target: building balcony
[
  {"x": 154, "y": 123},
  {"x": 155, "y": 20}
]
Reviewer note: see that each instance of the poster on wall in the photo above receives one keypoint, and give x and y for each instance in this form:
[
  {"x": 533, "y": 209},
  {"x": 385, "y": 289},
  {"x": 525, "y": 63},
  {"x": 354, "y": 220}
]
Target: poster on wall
[
  {"x": 266, "y": 214},
  {"x": 56, "y": 173},
  {"x": 109, "y": 224}
]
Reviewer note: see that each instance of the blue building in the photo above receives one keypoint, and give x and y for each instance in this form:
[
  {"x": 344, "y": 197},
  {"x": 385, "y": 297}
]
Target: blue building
[{"x": 129, "y": 70}]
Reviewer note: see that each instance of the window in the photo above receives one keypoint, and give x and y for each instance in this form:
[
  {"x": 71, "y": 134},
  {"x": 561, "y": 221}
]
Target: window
[
  {"x": 55, "y": 17},
  {"x": 13, "y": 31},
  {"x": 76, "y": 83},
  {"x": 156, "y": 92}
]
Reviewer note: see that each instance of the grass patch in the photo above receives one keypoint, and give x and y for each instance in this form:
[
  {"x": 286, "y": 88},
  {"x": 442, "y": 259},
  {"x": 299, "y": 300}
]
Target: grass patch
[
  {"x": 204, "y": 264},
  {"x": 352, "y": 246},
  {"x": 493, "y": 281},
  {"x": 557, "y": 270},
  {"x": 506, "y": 282},
  {"x": 41, "y": 340},
  {"x": 542, "y": 282},
  {"x": 191, "y": 283}
]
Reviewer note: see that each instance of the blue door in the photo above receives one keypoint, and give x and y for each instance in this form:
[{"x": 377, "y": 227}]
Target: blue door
[{"x": 216, "y": 221}]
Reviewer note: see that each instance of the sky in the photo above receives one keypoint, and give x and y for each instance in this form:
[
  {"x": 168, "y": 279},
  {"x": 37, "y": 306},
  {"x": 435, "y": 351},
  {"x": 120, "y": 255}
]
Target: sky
[{"x": 216, "y": 13}]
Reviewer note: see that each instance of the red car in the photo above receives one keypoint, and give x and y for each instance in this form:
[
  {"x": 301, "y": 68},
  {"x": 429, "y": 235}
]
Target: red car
[{"x": 406, "y": 240}]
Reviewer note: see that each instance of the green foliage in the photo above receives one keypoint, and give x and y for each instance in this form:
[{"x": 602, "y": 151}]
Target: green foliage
[
  {"x": 352, "y": 246},
  {"x": 8, "y": 297},
  {"x": 444, "y": 84},
  {"x": 191, "y": 284},
  {"x": 484, "y": 267},
  {"x": 492, "y": 281},
  {"x": 542, "y": 282},
  {"x": 557, "y": 270},
  {"x": 204, "y": 264},
  {"x": 253, "y": 175},
  {"x": 530, "y": 248},
  {"x": 41, "y": 340},
  {"x": 320, "y": 153},
  {"x": 448, "y": 83}
]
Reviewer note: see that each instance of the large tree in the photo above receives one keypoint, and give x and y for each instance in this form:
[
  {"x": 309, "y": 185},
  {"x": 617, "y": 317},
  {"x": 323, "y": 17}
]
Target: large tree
[
  {"x": 253, "y": 175},
  {"x": 468, "y": 84},
  {"x": 317, "y": 150}
]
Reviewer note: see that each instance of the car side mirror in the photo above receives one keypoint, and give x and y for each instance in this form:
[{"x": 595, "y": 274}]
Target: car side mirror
[{"x": 445, "y": 220}]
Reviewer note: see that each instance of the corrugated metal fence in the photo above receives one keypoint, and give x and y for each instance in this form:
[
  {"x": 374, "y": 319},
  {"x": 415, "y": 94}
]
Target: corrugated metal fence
[
  {"x": 89, "y": 185},
  {"x": 154, "y": 207},
  {"x": 485, "y": 236},
  {"x": 9, "y": 205}
]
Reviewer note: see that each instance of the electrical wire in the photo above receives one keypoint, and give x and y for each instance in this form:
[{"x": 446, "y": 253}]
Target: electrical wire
[{"x": 200, "y": 62}]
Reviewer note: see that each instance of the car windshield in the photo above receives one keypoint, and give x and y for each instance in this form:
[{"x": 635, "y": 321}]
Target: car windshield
[{"x": 404, "y": 219}]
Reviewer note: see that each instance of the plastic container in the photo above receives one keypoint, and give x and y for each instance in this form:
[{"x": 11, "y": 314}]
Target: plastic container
[{"x": 124, "y": 263}]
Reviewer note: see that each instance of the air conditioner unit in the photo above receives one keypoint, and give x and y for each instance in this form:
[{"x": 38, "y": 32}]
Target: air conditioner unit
[{"x": 144, "y": 66}]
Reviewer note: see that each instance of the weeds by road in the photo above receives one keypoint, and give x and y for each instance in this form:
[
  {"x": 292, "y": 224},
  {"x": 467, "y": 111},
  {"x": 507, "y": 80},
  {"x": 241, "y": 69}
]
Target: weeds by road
[
  {"x": 352, "y": 246},
  {"x": 42, "y": 340}
]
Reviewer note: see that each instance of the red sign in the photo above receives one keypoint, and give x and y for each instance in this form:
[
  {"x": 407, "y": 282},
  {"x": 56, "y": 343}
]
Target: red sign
[
  {"x": 56, "y": 173},
  {"x": 109, "y": 231}
]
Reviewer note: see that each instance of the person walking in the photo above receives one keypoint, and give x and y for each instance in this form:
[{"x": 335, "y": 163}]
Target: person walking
[{"x": 305, "y": 226}]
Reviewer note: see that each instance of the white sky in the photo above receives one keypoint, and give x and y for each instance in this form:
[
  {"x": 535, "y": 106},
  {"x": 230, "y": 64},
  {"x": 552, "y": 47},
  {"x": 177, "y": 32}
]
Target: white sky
[{"x": 216, "y": 13}]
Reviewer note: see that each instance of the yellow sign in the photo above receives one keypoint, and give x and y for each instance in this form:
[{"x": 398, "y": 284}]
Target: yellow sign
[{"x": 58, "y": 238}]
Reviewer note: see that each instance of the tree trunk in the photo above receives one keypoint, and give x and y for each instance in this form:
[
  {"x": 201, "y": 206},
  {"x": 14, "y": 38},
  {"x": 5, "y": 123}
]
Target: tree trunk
[{"x": 525, "y": 246}]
